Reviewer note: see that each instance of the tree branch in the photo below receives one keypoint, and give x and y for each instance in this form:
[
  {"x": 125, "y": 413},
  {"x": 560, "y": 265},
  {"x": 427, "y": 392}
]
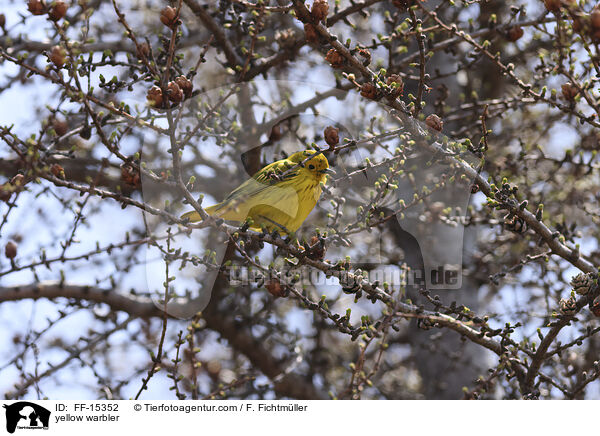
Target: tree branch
[{"x": 285, "y": 384}]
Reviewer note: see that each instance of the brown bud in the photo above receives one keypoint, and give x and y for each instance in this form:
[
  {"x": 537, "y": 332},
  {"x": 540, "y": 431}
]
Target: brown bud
[
  {"x": 335, "y": 58},
  {"x": 332, "y": 136},
  {"x": 394, "y": 81},
  {"x": 36, "y": 7},
  {"x": 10, "y": 250},
  {"x": 434, "y": 122},
  {"x": 514, "y": 33},
  {"x": 58, "y": 56},
  {"x": 595, "y": 18},
  {"x": 516, "y": 224},
  {"x": 582, "y": 283},
  {"x": 86, "y": 131},
  {"x": 57, "y": 171},
  {"x": 155, "y": 97},
  {"x": 569, "y": 91},
  {"x": 580, "y": 21},
  {"x": 317, "y": 249},
  {"x": 168, "y": 16},
  {"x": 58, "y": 10},
  {"x": 174, "y": 92},
  {"x": 2, "y": 20},
  {"x": 595, "y": 306},
  {"x": 276, "y": 289},
  {"x": 552, "y": 5},
  {"x": 365, "y": 54},
  {"x": 185, "y": 84},
  {"x": 567, "y": 306},
  {"x": 60, "y": 126},
  {"x": 130, "y": 175},
  {"x": 319, "y": 10},
  {"x": 275, "y": 134},
  {"x": 368, "y": 90},
  {"x": 312, "y": 37},
  {"x": 143, "y": 50}
]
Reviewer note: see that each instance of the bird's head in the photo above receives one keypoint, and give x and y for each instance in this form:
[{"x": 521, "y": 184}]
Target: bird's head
[{"x": 317, "y": 167}]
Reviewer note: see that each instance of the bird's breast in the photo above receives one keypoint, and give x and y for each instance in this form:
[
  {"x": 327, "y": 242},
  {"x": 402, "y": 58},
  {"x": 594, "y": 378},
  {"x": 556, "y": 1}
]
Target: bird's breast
[{"x": 308, "y": 190}]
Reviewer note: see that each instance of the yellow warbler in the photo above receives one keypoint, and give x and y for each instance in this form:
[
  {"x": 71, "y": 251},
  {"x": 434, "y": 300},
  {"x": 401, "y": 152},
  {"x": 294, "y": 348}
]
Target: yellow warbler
[{"x": 278, "y": 197}]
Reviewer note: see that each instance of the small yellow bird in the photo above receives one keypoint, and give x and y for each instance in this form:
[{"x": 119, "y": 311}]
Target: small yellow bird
[{"x": 278, "y": 197}]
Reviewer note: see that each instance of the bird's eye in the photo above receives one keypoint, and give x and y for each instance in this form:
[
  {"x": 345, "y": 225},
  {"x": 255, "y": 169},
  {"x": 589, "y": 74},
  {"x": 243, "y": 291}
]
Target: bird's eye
[{"x": 311, "y": 167}]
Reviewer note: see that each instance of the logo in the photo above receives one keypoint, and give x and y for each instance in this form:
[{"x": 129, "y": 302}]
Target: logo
[{"x": 26, "y": 415}]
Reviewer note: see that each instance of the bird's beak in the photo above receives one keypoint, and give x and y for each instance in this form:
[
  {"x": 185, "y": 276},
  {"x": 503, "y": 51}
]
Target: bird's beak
[{"x": 327, "y": 171}]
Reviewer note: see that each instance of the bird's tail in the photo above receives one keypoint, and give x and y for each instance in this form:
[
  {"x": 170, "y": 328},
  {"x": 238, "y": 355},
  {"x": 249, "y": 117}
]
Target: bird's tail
[{"x": 194, "y": 216}]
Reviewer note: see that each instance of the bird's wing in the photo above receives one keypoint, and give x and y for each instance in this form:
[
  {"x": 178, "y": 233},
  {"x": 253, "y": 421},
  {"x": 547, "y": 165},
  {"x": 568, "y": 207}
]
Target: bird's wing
[
  {"x": 261, "y": 189},
  {"x": 261, "y": 180}
]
